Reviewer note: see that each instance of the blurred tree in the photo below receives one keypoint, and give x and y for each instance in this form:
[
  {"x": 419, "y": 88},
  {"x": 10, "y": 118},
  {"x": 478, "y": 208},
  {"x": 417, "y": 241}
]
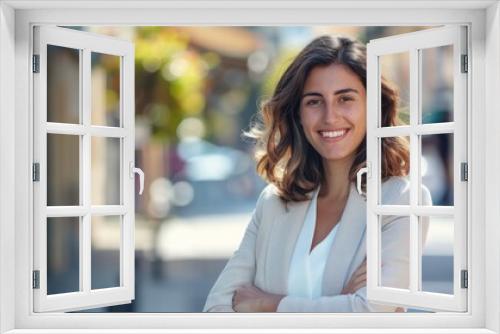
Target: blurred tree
[
  {"x": 278, "y": 67},
  {"x": 170, "y": 79}
]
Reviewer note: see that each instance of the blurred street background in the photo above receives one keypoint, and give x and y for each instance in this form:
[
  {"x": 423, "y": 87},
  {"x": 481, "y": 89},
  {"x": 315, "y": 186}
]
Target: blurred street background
[{"x": 196, "y": 90}]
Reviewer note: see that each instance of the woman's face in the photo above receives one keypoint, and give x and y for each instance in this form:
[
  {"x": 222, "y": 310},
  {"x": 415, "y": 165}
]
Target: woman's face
[{"x": 333, "y": 111}]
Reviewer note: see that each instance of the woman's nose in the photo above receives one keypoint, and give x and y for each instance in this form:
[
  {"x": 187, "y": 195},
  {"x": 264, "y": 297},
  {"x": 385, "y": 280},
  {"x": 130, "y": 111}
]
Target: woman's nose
[{"x": 332, "y": 112}]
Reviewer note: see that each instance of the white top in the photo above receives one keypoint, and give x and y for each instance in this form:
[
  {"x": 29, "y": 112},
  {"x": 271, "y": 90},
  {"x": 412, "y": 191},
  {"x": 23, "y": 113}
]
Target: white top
[{"x": 305, "y": 277}]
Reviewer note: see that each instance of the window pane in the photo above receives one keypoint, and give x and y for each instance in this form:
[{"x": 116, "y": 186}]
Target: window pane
[
  {"x": 395, "y": 251},
  {"x": 106, "y": 245},
  {"x": 105, "y": 89},
  {"x": 437, "y": 84},
  {"x": 437, "y": 168},
  {"x": 394, "y": 160},
  {"x": 63, "y": 255},
  {"x": 437, "y": 254},
  {"x": 63, "y": 84},
  {"x": 63, "y": 170},
  {"x": 396, "y": 69},
  {"x": 106, "y": 171}
]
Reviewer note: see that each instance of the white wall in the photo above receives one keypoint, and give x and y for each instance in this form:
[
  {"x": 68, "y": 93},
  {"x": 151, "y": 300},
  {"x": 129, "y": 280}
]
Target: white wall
[
  {"x": 492, "y": 273},
  {"x": 7, "y": 162}
]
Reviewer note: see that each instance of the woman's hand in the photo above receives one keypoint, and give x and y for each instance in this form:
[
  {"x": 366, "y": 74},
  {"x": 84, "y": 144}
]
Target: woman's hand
[
  {"x": 248, "y": 298},
  {"x": 357, "y": 281}
]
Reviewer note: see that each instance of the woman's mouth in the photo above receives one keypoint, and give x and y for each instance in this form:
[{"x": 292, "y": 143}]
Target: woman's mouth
[{"x": 333, "y": 135}]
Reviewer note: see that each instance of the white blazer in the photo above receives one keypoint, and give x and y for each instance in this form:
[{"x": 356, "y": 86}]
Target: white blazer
[{"x": 264, "y": 255}]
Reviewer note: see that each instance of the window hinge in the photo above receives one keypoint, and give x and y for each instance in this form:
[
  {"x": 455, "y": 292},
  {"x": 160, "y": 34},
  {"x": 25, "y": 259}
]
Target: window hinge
[
  {"x": 36, "y": 279},
  {"x": 464, "y": 171},
  {"x": 36, "y": 63},
  {"x": 465, "y": 66},
  {"x": 36, "y": 172},
  {"x": 465, "y": 279}
]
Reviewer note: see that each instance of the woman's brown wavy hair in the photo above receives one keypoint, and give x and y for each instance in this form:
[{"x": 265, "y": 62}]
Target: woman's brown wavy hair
[{"x": 284, "y": 156}]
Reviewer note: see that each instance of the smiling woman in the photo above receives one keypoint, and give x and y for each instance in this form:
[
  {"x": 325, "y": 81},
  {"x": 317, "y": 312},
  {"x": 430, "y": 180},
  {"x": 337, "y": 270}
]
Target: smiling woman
[
  {"x": 201, "y": 187},
  {"x": 333, "y": 111},
  {"x": 304, "y": 249},
  {"x": 477, "y": 115}
]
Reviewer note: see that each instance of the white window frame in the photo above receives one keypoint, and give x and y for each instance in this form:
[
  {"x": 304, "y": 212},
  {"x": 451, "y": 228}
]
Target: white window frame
[
  {"x": 85, "y": 43},
  {"x": 412, "y": 44},
  {"x": 16, "y": 19}
]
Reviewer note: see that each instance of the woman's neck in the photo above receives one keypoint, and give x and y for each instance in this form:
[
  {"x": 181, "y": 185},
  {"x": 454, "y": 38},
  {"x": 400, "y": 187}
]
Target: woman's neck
[{"x": 336, "y": 184}]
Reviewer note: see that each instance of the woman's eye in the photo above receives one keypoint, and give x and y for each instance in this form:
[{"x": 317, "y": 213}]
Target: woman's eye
[
  {"x": 344, "y": 99},
  {"x": 313, "y": 102}
]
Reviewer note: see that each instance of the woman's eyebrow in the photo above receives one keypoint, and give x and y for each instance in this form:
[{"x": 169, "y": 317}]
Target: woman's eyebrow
[
  {"x": 337, "y": 92},
  {"x": 346, "y": 90},
  {"x": 311, "y": 94}
]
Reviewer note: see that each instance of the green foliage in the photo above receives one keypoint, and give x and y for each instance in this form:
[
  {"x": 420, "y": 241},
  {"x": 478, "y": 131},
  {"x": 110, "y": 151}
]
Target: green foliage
[
  {"x": 170, "y": 78},
  {"x": 282, "y": 61}
]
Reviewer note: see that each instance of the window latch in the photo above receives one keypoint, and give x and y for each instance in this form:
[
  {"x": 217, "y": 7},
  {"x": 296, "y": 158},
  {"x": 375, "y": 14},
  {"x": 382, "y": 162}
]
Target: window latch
[
  {"x": 134, "y": 170},
  {"x": 362, "y": 171}
]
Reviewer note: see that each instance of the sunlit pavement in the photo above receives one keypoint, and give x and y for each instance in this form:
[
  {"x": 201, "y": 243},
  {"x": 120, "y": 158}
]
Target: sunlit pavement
[
  {"x": 191, "y": 252},
  {"x": 206, "y": 237},
  {"x": 218, "y": 236}
]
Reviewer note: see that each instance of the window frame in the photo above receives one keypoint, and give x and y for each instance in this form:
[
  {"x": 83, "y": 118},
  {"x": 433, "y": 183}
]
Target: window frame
[
  {"x": 86, "y": 44},
  {"x": 16, "y": 20},
  {"x": 413, "y": 44}
]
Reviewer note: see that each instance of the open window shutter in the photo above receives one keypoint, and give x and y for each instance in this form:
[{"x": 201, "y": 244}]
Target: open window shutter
[
  {"x": 428, "y": 54},
  {"x": 83, "y": 167}
]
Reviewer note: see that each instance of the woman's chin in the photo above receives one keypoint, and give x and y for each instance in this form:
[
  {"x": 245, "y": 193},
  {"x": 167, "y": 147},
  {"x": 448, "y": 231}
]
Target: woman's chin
[{"x": 336, "y": 157}]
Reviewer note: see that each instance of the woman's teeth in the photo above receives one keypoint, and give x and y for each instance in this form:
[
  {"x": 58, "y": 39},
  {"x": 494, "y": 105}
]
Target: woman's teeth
[{"x": 333, "y": 134}]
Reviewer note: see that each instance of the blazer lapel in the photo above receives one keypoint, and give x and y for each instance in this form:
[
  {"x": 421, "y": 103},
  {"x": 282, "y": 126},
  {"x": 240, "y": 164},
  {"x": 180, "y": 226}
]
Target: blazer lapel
[
  {"x": 286, "y": 230},
  {"x": 282, "y": 244},
  {"x": 350, "y": 231}
]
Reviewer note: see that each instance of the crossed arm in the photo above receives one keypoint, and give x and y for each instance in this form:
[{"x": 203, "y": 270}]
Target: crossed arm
[
  {"x": 248, "y": 298},
  {"x": 234, "y": 289}
]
